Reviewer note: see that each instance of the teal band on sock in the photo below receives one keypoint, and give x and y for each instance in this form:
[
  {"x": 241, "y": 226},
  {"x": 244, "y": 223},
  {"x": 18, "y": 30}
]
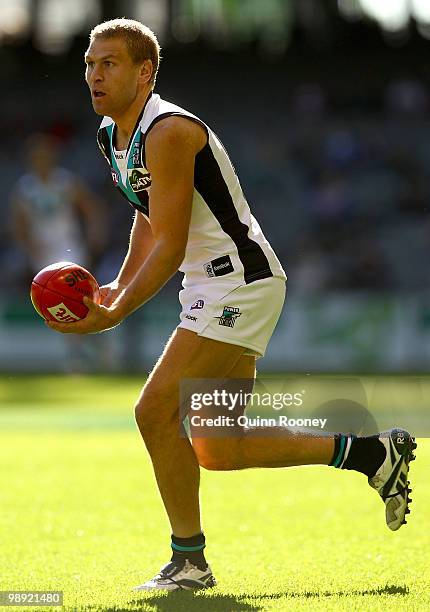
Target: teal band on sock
[
  {"x": 187, "y": 548},
  {"x": 339, "y": 457}
]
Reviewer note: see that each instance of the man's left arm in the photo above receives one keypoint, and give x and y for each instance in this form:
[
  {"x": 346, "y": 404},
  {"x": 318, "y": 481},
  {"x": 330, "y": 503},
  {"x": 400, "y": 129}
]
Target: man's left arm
[{"x": 171, "y": 147}]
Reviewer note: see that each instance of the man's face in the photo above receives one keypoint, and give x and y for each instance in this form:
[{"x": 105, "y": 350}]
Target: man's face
[
  {"x": 112, "y": 76},
  {"x": 42, "y": 156}
]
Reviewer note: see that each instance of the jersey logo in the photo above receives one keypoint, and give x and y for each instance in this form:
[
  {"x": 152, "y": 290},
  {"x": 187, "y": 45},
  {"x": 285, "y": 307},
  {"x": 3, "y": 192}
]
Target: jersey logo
[
  {"x": 115, "y": 177},
  {"x": 138, "y": 180},
  {"x": 229, "y": 316},
  {"x": 136, "y": 153}
]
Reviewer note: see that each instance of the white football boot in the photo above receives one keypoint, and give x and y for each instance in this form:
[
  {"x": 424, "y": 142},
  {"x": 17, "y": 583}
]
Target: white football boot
[
  {"x": 391, "y": 480},
  {"x": 174, "y": 577}
]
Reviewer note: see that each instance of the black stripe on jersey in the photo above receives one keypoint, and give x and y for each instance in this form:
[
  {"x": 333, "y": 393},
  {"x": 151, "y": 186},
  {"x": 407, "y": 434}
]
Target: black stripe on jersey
[{"x": 210, "y": 183}]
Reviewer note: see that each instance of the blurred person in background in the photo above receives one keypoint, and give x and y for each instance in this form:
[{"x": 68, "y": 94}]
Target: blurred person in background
[{"x": 55, "y": 216}]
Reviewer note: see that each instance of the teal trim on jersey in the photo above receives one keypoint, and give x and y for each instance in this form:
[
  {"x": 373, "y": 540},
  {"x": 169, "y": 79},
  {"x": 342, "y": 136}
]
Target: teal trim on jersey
[
  {"x": 126, "y": 189},
  {"x": 187, "y": 548},
  {"x": 339, "y": 457}
]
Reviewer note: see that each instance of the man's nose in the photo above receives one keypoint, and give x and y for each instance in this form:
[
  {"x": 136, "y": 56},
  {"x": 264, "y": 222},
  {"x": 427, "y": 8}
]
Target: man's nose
[{"x": 96, "y": 75}]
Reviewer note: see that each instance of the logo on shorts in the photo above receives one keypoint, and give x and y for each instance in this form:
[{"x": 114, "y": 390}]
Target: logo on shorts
[
  {"x": 229, "y": 316},
  {"x": 219, "y": 267},
  {"x": 197, "y": 304},
  {"x": 209, "y": 270},
  {"x": 191, "y": 318}
]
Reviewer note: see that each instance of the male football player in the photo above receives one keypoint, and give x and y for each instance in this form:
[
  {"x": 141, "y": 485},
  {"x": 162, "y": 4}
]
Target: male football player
[{"x": 191, "y": 215}]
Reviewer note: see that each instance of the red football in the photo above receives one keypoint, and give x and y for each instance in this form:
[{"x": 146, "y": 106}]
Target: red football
[{"x": 58, "y": 290}]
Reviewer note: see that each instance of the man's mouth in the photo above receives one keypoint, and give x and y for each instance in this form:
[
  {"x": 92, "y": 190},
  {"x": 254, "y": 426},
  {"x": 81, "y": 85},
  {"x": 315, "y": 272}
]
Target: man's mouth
[{"x": 98, "y": 94}]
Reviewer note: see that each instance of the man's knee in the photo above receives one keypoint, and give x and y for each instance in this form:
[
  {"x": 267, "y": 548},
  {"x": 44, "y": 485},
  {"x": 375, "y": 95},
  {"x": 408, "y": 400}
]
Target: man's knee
[
  {"x": 142, "y": 414},
  {"x": 154, "y": 410},
  {"x": 216, "y": 464}
]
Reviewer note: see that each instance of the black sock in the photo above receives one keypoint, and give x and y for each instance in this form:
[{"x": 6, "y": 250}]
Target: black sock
[
  {"x": 364, "y": 455},
  {"x": 191, "y": 549}
]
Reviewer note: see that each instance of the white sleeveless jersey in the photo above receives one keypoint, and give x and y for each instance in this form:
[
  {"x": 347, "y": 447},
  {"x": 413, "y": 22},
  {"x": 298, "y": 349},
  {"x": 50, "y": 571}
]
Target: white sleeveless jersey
[{"x": 224, "y": 238}]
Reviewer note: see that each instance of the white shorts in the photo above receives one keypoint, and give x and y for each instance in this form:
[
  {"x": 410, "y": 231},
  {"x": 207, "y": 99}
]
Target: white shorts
[{"x": 244, "y": 315}]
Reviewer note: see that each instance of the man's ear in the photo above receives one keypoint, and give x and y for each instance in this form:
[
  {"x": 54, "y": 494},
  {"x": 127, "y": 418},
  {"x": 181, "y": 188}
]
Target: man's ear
[{"x": 146, "y": 71}]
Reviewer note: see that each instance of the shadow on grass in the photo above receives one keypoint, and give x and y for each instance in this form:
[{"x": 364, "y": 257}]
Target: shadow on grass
[
  {"x": 388, "y": 589},
  {"x": 193, "y": 602},
  {"x": 189, "y": 601}
]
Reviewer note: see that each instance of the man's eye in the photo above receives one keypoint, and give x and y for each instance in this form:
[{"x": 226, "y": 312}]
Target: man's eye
[
  {"x": 90, "y": 64},
  {"x": 108, "y": 64}
]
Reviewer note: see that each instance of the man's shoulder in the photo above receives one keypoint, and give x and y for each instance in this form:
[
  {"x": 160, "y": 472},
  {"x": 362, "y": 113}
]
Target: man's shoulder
[
  {"x": 176, "y": 130},
  {"x": 159, "y": 109}
]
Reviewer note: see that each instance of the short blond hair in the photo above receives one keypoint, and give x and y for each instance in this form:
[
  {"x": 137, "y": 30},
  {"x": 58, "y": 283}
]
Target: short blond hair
[{"x": 142, "y": 44}]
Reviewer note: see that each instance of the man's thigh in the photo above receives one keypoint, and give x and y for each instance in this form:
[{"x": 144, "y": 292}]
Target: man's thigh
[{"x": 188, "y": 355}]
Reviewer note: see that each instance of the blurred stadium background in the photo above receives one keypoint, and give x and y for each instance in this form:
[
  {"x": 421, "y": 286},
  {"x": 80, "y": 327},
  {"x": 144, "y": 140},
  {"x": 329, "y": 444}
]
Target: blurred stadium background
[{"x": 324, "y": 108}]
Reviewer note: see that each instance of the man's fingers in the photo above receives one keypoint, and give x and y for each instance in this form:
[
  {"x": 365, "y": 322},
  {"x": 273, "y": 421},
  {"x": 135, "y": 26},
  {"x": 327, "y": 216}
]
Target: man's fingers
[
  {"x": 64, "y": 328},
  {"x": 96, "y": 320},
  {"x": 106, "y": 299},
  {"x": 90, "y": 304},
  {"x": 94, "y": 308}
]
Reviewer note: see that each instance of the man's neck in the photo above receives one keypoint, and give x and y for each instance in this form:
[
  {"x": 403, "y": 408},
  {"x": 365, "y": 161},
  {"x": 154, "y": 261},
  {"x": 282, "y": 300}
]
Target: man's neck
[{"x": 126, "y": 122}]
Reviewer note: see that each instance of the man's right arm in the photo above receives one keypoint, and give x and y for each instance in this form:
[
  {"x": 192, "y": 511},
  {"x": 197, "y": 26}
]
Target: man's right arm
[
  {"x": 140, "y": 245},
  {"x": 21, "y": 227}
]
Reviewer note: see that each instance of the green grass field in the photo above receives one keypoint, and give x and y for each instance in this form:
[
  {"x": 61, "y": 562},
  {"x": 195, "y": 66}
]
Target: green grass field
[{"x": 80, "y": 513}]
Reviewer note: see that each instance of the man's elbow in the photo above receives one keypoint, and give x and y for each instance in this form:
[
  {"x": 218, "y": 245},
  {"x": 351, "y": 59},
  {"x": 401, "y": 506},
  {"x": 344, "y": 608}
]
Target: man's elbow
[
  {"x": 178, "y": 255},
  {"x": 175, "y": 253}
]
